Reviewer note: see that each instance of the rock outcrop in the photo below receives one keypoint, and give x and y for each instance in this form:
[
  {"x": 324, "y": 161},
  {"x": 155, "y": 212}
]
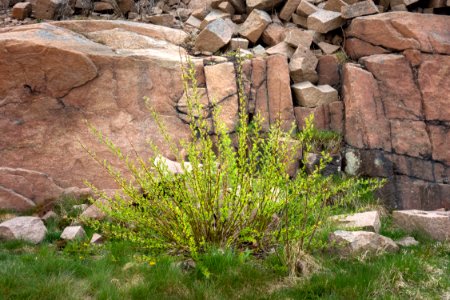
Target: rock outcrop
[{"x": 397, "y": 107}]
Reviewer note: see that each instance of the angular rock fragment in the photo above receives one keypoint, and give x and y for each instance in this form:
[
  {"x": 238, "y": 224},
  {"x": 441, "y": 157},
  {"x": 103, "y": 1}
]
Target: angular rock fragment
[
  {"x": 324, "y": 21},
  {"x": 306, "y": 8},
  {"x": 434, "y": 224},
  {"x": 255, "y": 25},
  {"x": 362, "y": 8},
  {"x": 302, "y": 66},
  {"x": 21, "y": 10},
  {"x": 309, "y": 95},
  {"x": 214, "y": 36},
  {"x": 212, "y": 16},
  {"x": 300, "y": 20},
  {"x": 369, "y": 221},
  {"x": 96, "y": 239},
  {"x": 361, "y": 242},
  {"x": 72, "y": 233},
  {"x": 296, "y": 37},
  {"x": 282, "y": 48},
  {"x": 328, "y": 48},
  {"x": 30, "y": 229},
  {"x": 288, "y": 9},
  {"x": 335, "y": 5},
  {"x": 273, "y": 34},
  {"x": 328, "y": 70}
]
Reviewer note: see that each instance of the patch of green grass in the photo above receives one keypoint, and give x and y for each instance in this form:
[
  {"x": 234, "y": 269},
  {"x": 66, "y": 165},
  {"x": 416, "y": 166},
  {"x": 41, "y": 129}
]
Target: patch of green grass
[{"x": 118, "y": 271}]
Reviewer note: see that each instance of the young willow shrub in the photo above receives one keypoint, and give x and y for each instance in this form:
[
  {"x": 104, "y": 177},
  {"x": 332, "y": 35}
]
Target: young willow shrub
[{"x": 229, "y": 194}]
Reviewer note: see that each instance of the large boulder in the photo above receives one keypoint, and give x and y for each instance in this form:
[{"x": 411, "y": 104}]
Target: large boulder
[
  {"x": 369, "y": 220},
  {"x": 54, "y": 81},
  {"x": 30, "y": 229},
  {"x": 434, "y": 224}
]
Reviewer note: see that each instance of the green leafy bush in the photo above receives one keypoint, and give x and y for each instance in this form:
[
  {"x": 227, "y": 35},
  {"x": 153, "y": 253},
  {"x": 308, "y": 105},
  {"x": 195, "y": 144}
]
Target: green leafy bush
[{"x": 226, "y": 195}]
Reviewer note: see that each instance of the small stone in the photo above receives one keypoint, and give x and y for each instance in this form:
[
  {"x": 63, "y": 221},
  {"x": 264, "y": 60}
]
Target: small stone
[
  {"x": 324, "y": 21},
  {"x": 361, "y": 242},
  {"x": 282, "y": 48},
  {"x": 30, "y": 229},
  {"x": 255, "y": 25},
  {"x": 96, "y": 239},
  {"x": 21, "y": 10},
  {"x": 369, "y": 221},
  {"x": 296, "y": 37},
  {"x": 407, "y": 242},
  {"x": 214, "y": 36},
  {"x": 238, "y": 43},
  {"x": 259, "y": 50},
  {"x": 163, "y": 20},
  {"x": 102, "y": 7},
  {"x": 49, "y": 215},
  {"x": 434, "y": 224},
  {"x": 71, "y": 233},
  {"x": 306, "y": 8},
  {"x": 362, "y": 8},
  {"x": 328, "y": 48},
  {"x": 309, "y": 95},
  {"x": 288, "y": 9}
]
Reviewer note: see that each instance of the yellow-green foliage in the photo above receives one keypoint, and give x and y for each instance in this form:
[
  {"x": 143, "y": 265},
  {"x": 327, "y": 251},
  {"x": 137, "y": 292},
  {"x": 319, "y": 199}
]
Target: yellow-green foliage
[{"x": 226, "y": 196}]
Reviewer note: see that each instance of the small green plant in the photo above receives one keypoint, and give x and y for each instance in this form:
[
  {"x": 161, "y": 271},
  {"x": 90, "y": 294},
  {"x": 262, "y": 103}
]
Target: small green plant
[{"x": 223, "y": 196}]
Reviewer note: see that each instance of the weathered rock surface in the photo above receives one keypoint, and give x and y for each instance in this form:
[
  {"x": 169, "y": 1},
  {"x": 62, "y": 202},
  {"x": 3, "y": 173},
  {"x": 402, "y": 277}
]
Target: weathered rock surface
[
  {"x": 72, "y": 233},
  {"x": 402, "y": 30},
  {"x": 309, "y": 95},
  {"x": 397, "y": 106},
  {"x": 369, "y": 221},
  {"x": 360, "y": 242},
  {"x": 46, "y": 102},
  {"x": 407, "y": 242},
  {"x": 216, "y": 35},
  {"x": 30, "y": 229},
  {"x": 434, "y": 224},
  {"x": 255, "y": 25}
]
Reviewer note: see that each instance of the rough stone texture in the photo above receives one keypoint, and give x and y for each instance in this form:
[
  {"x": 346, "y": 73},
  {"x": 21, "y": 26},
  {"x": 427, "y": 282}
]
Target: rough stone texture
[
  {"x": 326, "y": 117},
  {"x": 369, "y": 221},
  {"x": 288, "y": 9},
  {"x": 302, "y": 66},
  {"x": 96, "y": 239},
  {"x": 309, "y": 95},
  {"x": 401, "y": 106},
  {"x": 402, "y": 30},
  {"x": 262, "y": 4},
  {"x": 335, "y": 5},
  {"x": 212, "y": 16},
  {"x": 23, "y": 189},
  {"x": 356, "y": 48},
  {"x": 222, "y": 91},
  {"x": 361, "y": 242},
  {"x": 328, "y": 70},
  {"x": 21, "y": 10},
  {"x": 273, "y": 34},
  {"x": 259, "y": 93},
  {"x": 30, "y": 229},
  {"x": 298, "y": 37},
  {"x": 45, "y": 103},
  {"x": 432, "y": 223},
  {"x": 216, "y": 35},
  {"x": 255, "y": 25},
  {"x": 306, "y": 8},
  {"x": 50, "y": 9},
  {"x": 279, "y": 91},
  {"x": 71, "y": 233},
  {"x": 324, "y": 21},
  {"x": 358, "y": 9},
  {"x": 282, "y": 48}
]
